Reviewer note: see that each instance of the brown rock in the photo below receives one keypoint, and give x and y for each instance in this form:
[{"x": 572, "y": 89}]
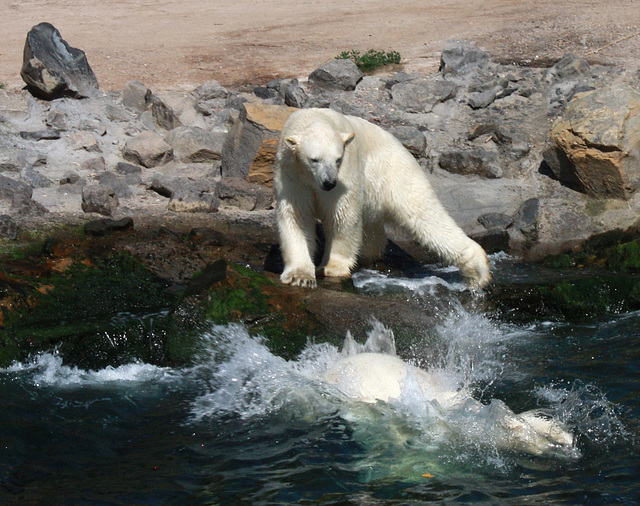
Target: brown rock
[
  {"x": 256, "y": 125},
  {"x": 596, "y": 144},
  {"x": 261, "y": 170},
  {"x": 268, "y": 117}
]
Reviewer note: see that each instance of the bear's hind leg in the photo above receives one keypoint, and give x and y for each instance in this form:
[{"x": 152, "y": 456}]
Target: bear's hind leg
[
  {"x": 342, "y": 247},
  {"x": 340, "y": 257},
  {"x": 420, "y": 213}
]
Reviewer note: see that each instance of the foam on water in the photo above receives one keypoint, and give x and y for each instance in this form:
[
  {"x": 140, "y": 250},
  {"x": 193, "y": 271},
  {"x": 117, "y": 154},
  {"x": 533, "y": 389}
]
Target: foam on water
[
  {"x": 367, "y": 280},
  {"x": 48, "y": 370}
]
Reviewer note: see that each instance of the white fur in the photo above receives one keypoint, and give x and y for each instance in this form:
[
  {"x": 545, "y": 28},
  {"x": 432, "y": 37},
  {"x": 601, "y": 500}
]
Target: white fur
[
  {"x": 355, "y": 177},
  {"x": 372, "y": 377}
]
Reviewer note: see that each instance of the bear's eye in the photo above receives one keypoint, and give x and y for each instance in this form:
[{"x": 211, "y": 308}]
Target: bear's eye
[
  {"x": 339, "y": 162},
  {"x": 314, "y": 160}
]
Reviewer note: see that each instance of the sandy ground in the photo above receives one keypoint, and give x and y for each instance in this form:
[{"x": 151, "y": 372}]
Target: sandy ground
[{"x": 173, "y": 43}]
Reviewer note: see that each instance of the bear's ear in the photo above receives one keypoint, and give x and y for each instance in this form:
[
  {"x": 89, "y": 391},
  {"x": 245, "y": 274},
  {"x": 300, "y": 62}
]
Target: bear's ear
[
  {"x": 292, "y": 141},
  {"x": 347, "y": 138}
]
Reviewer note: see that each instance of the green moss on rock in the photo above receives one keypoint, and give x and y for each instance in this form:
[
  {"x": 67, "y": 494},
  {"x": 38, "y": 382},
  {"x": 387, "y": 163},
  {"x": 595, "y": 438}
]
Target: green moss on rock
[
  {"x": 94, "y": 313},
  {"x": 265, "y": 308},
  {"x": 617, "y": 250},
  {"x": 625, "y": 257},
  {"x": 594, "y": 296},
  {"x": 564, "y": 261}
]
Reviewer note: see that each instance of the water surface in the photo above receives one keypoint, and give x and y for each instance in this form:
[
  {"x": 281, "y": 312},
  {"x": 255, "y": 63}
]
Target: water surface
[{"x": 243, "y": 426}]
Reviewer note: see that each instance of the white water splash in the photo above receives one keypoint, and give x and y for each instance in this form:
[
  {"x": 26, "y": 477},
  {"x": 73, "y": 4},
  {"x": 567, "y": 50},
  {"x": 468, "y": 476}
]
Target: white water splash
[
  {"x": 48, "y": 370},
  {"x": 374, "y": 281},
  {"x": 367, "y": 280},
  {"x": 586, "y": 406},
  {"x": 246, "y": 380}
]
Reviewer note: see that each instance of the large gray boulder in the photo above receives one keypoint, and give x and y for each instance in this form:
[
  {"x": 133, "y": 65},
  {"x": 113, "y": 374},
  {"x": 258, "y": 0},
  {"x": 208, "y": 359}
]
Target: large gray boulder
[
  {"x": 461, "y": 57},
  {"x": 52, "y": 69},
  {"x": 336, "y": 75},
  {"x": 421, "y": 95}
]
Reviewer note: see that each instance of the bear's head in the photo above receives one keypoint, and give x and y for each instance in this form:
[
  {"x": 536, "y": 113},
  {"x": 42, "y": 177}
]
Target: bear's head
[{"x": 320, "y": 150}]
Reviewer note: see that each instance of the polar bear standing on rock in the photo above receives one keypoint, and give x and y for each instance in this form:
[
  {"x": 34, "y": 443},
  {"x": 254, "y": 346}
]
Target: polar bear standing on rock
[{"x": 355, "y": 177}]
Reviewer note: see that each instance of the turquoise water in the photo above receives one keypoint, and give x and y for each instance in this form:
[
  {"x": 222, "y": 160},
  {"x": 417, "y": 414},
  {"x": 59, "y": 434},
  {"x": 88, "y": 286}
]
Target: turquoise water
[{"x": 246, "y": 427}]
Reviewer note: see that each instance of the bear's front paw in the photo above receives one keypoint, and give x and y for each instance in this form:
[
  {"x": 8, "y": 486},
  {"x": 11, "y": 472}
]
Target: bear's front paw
[{"x": 299, "y": 277}]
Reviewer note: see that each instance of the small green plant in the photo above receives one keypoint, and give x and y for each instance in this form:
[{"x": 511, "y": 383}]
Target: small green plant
[{"x": 371, "y": 60}]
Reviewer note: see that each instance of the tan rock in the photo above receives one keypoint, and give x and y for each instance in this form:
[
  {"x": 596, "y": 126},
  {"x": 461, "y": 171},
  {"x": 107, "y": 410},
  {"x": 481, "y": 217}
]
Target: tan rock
[
  {"x": 85, "y": 140},
  {"x": 261, "y": 170},
  {"x": 268, "y": 117},
  {"x": 148, "y": 149},
  {"x": 596, "y": 144}
]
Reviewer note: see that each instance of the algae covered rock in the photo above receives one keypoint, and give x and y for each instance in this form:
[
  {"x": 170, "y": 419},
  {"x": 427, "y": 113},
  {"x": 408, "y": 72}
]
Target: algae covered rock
[
  {"x": 602, "y": 277},
  {"x": 95, "y": 312},
  {"x": 106, "y": 300}
]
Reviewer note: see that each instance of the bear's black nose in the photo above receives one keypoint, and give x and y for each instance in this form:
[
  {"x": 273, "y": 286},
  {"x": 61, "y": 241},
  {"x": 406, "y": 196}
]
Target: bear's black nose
[{"x": 328, "y": 185}]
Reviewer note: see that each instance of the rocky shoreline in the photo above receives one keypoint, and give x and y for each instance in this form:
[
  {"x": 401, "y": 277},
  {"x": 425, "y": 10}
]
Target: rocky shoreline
[{"x": 531, "y": 161}]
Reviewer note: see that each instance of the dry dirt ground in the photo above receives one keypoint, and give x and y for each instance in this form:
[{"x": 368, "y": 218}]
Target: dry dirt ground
[{"x": 174, "y": 43}]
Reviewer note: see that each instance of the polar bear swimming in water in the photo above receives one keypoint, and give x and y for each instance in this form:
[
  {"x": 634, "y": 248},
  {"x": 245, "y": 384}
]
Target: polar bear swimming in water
[
  {"x": 354, "y": 177},
  {"x": 371, "y": 377}
]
